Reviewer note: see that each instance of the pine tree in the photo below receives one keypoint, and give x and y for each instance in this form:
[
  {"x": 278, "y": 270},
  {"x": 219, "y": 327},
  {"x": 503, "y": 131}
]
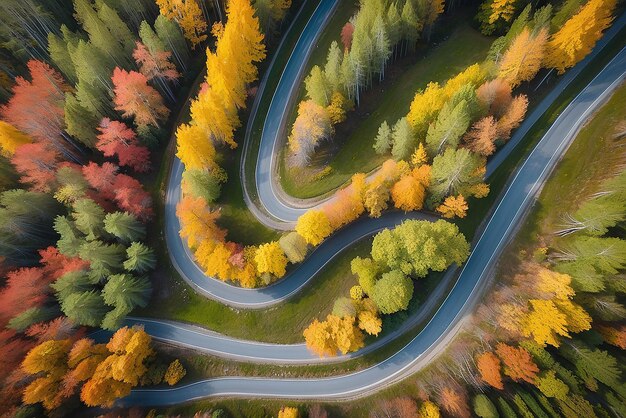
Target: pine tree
[
  {"x": 140, "y": 258},
  {"x": 403, "y": 140},
  {"x": 124, "y": 226},
  {"x": 126, "y": 291},
  {"x": 317, "y": 87},
  {"x": 446, "y": 131}
]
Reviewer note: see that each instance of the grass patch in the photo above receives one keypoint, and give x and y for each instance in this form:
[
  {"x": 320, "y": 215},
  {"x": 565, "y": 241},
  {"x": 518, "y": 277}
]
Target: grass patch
[
  {"x": 182, "y": 303},
  {"x": 352, "y": 151}
]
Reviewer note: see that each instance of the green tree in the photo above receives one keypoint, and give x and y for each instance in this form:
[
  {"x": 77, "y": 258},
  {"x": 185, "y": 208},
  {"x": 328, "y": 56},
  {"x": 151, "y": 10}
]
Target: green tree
[
  {"x": 125, "y": 226},
  {"x": 126, "y": 291},
  {"x": 484, "y": 408},
  {"x": 34, "y": 315},
  {"x": 140, "y": 258},
  {"x": 70, "y": 239},
  {"x": 415, "y": 247},
  {"x": 104, "y": 258},
  {"x": 393, "y": 292},
  {"x": 332, "y": 69},
  {"x": 203, "y": 183},
  {"x": 88, "y": 218},
  {"x": 383, "y": 140},
  {"x": 80, "y": 122},
  {"x": 317, "y": 87},
  {"x": 72, "y": 282},
  {"x": 172, "y": 37},
  {"x": 593, "y": 365},
  {"x": 366, "y": 271},
  {"x": 455, "y": 172},
  {"x": 86, "y": 308},
  {"x": 60, "y": 55},
  {"x": 451, "y": 123},
  {"x": 403, "y": 141},
  {"x": 294, "y": 246}
]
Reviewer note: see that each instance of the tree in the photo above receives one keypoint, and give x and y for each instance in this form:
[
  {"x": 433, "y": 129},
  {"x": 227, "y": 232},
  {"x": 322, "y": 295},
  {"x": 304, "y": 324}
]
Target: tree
[
  {"x": 420, "y": 158},
  {"x": 11, "y": 138},
  {"x": 489, "y": 367},
  {"x": 579, "y": 34},
  {"x": 484, "y": 408},
  {"x": 453, "y": 206},
  {"x": 614, "y": 335},
  {"x": 451, "y": 124},
  {"x": 544, "y": 323},
  {"x": 593, "y": 364},
  {"x": 194, "y": 149},
  {"x": 403, "y": 139},
  {"x": 270, "y": 258},
  {"x": 551, "y": 386},
  {"x": 311, "y": 127},
  {"x": 104, "y": 259},
  {"x": 124, "y": 226},
  {"x": 317, "y": 88},
  {"x": 313, "y": 226},
  {"x": 454, "y": 401},
  {"x": 481, "y": 138},
  {"x": 518, "y": 364},
  {"x": 88, "y": 218},
  {"x": 288, "y": 412},
  {"x": 36, "y": 106},
  {"x": 415, "y": 247},
  {"x": 337, "y": 108},
  {"x": 84, "y": 308},
  {"x": 332, "y": 335},
  {"x": 366, "y": 271},
  {"x": 198, "y": 223},
  {"x": 139, "y": 258},
  {"x": 512, "y": 118},
  {"x": 188, "y": 15},
  {"x": 174, "y": 373},
  {"x": 117, "y": 139},
  {"x": 294, "y": 246},
  {"x": 203, "y": 183},
  {"x": 524, "y": 57},
  {"x": 48, "y": 360},
  {"x": 428, "y": 409},
  {"x": 37, "y": 164},
  {"x": 495, "y": 96},
  {"x": 347, "y": 31},
  {"x": 370, "y": 322},
  {"x": 130, "y": 196},
  {"x": 457, "y": 172},
  {"x": 134, "y": 97},
  {"x": 408, "y": 193},
  {"x": 425, "y": 105},
  {"x": 393, "y": 292},
  {"x": 155, "y": 63}
]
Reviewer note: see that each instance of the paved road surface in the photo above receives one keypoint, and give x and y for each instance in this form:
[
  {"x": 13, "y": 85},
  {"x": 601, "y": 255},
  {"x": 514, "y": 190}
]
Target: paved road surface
[{"x": 513, "y": 205}]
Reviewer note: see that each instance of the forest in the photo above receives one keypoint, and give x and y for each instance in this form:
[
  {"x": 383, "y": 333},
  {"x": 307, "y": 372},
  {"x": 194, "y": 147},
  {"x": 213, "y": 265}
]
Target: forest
[{"x": 99, "y": 99}]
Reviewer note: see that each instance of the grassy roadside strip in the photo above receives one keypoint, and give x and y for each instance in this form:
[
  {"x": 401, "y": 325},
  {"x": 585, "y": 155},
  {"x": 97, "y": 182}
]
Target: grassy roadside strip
[{"x": 577, "y": 174}]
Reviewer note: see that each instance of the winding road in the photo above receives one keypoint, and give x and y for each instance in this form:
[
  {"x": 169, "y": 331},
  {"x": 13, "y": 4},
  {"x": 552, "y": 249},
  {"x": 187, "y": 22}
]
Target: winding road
[{"x": 508, "y": 214}]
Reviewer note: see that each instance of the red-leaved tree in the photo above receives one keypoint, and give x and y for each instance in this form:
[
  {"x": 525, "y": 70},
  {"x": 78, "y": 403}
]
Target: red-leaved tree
[
  {"x": 36, "y": 163},
  {"x": 135, "y": 98},
  {"x": 37, "y": 106},
  {"x": 117, "y": 139}
]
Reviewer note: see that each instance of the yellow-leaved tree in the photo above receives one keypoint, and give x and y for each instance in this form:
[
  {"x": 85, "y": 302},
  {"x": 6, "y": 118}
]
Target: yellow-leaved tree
[
  {"x": 313, "y": 226},
  {"x": 198, "y": 222},
  {"x": 11, "y": 138},
  {"x": 194, "y": 149},
  {"x": 270, "y": 258},
  {"x": 579, "y": 34},
  {"x": 189, "y": 17},
  {"x": 524, "y": 58}
]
